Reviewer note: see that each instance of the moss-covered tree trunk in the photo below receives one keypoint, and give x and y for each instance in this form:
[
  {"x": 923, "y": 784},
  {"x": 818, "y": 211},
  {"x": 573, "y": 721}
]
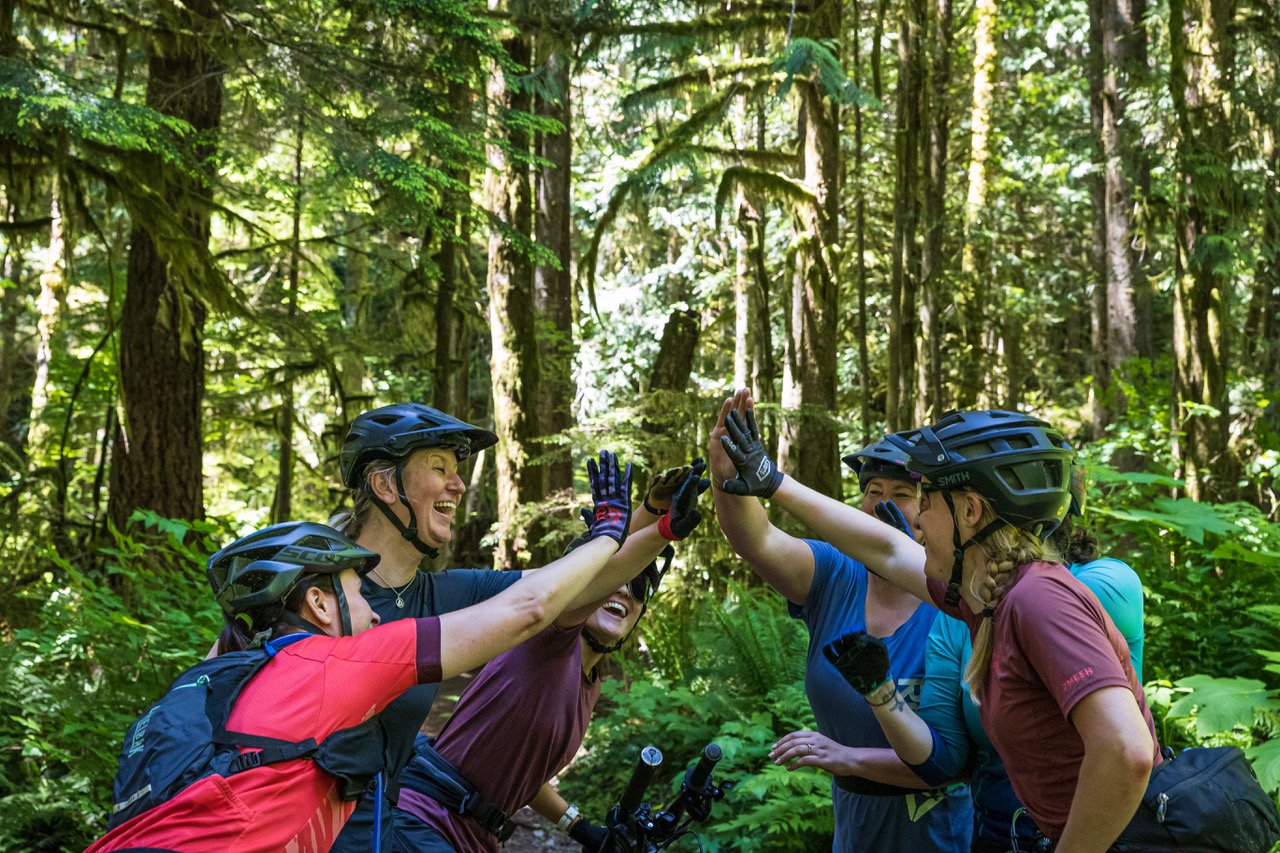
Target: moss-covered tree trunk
[
  {"x": 553, "y": 286},
  {"x": 156, "y": 461},
  {"x": 905, "y": 267},
  {"x": 513, "y": 359},
  {"x": 807, "y": 446},
  {"x": 929, "y": 402},
  {"x": 1201, "y": 68}
]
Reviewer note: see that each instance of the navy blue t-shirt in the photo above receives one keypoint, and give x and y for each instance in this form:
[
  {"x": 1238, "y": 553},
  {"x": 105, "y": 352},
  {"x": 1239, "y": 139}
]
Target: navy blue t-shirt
[
  {"x": 430, "y": 594},
  {"x": 837, "y": 605}
]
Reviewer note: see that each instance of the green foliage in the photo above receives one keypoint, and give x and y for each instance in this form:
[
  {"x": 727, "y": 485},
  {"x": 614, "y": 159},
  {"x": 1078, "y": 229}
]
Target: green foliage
[
  {"x": 84, "y": 665},
  {"x": 726, "y": 669}
]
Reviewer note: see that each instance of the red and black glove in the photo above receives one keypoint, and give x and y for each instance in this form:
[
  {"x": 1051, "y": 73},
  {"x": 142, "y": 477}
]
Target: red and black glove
[
  {"x": 679, "y": 521},
  {"x": 611, "y": 494}
]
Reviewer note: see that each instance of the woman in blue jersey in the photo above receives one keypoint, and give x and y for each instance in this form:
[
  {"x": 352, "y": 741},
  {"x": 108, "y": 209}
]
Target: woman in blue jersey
[{"x": 832, "y": 593}]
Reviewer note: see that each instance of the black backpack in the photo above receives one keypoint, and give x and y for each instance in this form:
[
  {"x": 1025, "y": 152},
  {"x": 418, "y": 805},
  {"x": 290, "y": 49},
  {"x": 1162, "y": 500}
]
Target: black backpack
[{"x": 183, "y": 738}]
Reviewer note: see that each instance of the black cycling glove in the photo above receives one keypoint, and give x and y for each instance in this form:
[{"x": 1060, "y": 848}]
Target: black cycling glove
[
  {"x": 679, "y": 521},
  {"x": 611, "y": 494},
  {"x": 888, "y": 512},
  {"x": 757, "y": 476},
  {"x": 590, "y": 835},
  {"x": 862, "y": 659}
]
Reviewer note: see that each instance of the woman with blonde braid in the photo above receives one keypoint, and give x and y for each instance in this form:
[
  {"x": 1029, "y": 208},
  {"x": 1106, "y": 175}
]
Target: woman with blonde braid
[{"x": 1050, "y": 671}]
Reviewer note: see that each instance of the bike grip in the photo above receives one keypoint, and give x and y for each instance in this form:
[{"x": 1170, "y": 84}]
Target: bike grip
[
  {"x": 701, "y": 771},
  {"x": 649, "y": 760}
]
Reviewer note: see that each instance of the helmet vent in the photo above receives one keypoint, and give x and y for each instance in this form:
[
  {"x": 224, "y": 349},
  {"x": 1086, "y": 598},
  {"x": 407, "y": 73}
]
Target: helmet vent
[{"x": 319, "y": 543}]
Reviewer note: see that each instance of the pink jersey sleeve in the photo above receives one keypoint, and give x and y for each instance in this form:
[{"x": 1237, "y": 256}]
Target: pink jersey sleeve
[{"x": 1064, "y": 636}]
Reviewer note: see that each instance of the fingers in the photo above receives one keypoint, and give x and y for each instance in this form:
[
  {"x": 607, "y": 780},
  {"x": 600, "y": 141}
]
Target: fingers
[
  {"x": 626, "y": 478},
  {"x": 736, "y": 486},
  {"x": 593, "y": 476},
  {"x": 587, "y": 517},
  {"x": 735, "y": 452},
  {"x": 751, "y": 423},
  {"x": 725, "y": 408},
  {"x": 737, "y": 429}
]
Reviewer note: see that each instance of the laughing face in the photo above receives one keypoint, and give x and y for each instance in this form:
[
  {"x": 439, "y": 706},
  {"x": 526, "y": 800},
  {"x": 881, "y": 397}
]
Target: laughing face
[
  {"x": 434, "y": 489},
  {"x": 614, "y": 619}
]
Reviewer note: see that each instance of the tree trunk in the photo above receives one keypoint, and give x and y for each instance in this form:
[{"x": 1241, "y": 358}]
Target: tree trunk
[
  {"x": 452, "y": 358},
  {"x": 156, "y": 460},
  {"x": 860, "y": 232},
  {"x": 929, "y": 403},
  {"x": 282, "y": 504},
  {"x": 553, "y": 288},
  {"x": 49, "y": 306},
  {"x": 512, "y": 321},
  {"x": 16, "y": 364},
  {"x": 1201, "y": 67},
  {"x": 906, "y": 216},
  {"x": 973, "y": 263},
  {"x": 808, "y": 448}
]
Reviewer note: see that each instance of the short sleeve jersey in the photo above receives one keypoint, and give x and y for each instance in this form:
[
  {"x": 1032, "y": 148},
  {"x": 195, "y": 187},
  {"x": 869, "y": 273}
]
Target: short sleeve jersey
[
  {"x": 948, "y": 708},
  {"x": 430, "y": 594},
  {"x": 310, "y": 689},
  {"x": 837, "y": 605},
  {"x": 516, "y": 725},
  {"x": 1054, "y": 645}
]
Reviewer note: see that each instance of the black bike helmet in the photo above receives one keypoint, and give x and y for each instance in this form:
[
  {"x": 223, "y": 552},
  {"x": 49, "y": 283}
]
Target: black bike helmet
[
  {"x": 253, "y": 576},
  {"x": 393, "y": 432},
  {"x": 880, "y": 459},
  {"x": 1019, "y": 464}
]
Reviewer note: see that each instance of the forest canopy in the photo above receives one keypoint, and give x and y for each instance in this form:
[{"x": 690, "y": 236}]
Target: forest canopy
[{"x": 227, "y": 228}]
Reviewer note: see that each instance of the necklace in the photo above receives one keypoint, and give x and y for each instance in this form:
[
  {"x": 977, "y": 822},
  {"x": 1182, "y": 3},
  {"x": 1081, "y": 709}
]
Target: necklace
[{"x": 399, "y": 592}]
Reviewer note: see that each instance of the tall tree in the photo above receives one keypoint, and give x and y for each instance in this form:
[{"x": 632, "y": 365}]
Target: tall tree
[
  {"x": 553, "y": 282},
  {"x": 906, "y": 214},
  {"x": 807, "y": 443},
  {"x": 156, "y": 461},
  {"x": 512, "y": 318},
  {"x": 1202, "y": 54},
  {"x": 977, "y": 340},
  {"x": 928, "y": 401}
]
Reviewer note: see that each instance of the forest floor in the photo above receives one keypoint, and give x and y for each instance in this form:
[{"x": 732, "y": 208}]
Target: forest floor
[{"x": 533, "y": 834}]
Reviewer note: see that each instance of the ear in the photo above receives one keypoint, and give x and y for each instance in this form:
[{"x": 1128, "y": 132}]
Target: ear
[
  {"x": 320, "y": 608},
  {"x": 969, "y": 512},
  {"x": 383, "y": 486}
]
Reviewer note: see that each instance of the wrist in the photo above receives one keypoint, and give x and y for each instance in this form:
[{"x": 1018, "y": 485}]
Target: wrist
[
  {"x": 664, "y": 528},
  {"x": 882, "y": 693},
  {"x": 569, "y": 818}
]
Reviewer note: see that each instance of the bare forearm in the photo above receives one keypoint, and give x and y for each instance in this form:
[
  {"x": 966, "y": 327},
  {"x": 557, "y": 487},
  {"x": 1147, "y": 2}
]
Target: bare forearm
[
  {"x": 638, "y": 551},
  {"x": 745, "y": 524},
  {"x": 907, "y": 733},
  {"x": 882, "y": 549},
  {"x": 884, "y": 765},
  {"x": 548, "y": 803}
]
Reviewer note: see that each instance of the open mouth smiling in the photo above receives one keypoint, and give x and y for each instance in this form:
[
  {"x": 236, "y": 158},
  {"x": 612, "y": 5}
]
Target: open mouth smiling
[{"x": 617, "y": 608}]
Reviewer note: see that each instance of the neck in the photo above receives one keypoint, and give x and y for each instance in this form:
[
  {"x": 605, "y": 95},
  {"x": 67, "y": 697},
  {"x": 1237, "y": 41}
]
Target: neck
[
  {"x": 399, "y": 559},
  {"x": 590, "y": 657}
]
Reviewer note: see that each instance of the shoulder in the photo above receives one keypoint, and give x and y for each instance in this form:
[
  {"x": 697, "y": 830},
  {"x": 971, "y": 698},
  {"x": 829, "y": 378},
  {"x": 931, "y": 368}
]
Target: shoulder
[{"x": 832, "y": 559}]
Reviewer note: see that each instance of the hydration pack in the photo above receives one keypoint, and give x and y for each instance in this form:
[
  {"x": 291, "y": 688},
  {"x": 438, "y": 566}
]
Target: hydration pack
[{"x": 183, "y": 738}]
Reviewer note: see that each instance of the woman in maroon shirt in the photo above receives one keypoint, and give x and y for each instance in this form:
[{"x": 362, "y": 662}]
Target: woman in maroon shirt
[{"x": 1056, "y": 691}]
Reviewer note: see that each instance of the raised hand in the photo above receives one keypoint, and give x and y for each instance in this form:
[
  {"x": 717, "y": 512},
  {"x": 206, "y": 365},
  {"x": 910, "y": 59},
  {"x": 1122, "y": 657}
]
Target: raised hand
[
  {"x": 758, "y": 476},
  {"x": 862, "y": 659},
  {"x": 683, "y": 516},
  {"x": 657, "y": 498},
  {"x": 611, "y": 494},
  {"x": 888, "y": 512}
]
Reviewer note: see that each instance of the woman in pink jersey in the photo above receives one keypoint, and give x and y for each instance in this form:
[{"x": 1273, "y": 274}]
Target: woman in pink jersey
[
  {"x": 1050, "y": 671},
  {"x": 295, "y": 588}
]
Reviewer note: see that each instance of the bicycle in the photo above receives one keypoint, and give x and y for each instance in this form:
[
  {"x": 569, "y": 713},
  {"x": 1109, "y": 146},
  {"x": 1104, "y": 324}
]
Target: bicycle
[{"x": 635, "y": 828}]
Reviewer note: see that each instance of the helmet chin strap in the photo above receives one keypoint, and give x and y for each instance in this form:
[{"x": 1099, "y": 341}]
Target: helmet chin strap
[
  {"x": 408, "y": 531},
  {"x": 957, "y": 564}
]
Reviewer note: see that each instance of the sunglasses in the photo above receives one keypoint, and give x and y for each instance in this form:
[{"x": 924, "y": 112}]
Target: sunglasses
[{"x": 644, "y": 585}]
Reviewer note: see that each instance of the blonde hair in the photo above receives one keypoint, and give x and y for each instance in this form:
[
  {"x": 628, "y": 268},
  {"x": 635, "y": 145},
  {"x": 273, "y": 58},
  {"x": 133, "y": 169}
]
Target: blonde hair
[
  {"x": 1006, "y": 550},
  {"x": 351, "y": 521}
]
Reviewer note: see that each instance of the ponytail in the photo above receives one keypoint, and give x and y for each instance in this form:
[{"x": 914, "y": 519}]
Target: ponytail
[
  {"x": 239, "y": 632},
  {"x": 1006, "y": 550}
]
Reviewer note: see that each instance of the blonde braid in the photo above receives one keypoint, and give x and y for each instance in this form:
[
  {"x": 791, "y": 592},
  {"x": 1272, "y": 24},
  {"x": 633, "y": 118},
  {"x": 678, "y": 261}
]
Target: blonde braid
[{"x": 1006, "y": 549}]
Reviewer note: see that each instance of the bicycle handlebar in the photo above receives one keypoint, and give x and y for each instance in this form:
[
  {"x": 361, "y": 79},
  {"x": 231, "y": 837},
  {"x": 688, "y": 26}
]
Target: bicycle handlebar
[{"x": 649, "y": 761}]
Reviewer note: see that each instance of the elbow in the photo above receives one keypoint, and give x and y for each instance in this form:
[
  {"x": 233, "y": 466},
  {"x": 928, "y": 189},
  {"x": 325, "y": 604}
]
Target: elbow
[
  {"x": 1131, "y": 762},
  {"x": 531, "y": 613}
]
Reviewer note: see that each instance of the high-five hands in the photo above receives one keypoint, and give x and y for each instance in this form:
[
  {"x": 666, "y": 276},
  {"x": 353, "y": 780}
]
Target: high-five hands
[
  {"x": 611, "y": 495},
  {"x": 757, "y": 476},
  {"x": 683, "y": 516}
]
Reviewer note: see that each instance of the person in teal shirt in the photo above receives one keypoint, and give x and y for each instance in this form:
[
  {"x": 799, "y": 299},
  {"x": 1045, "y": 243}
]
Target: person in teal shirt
[{"x": 946, "y": 705}]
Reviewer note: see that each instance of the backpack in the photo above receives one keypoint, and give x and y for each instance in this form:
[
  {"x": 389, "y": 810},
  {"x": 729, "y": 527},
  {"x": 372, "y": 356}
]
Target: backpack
[
  {"x": 183, "y": 738},
  {"x": 1203, "y": 800}
]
